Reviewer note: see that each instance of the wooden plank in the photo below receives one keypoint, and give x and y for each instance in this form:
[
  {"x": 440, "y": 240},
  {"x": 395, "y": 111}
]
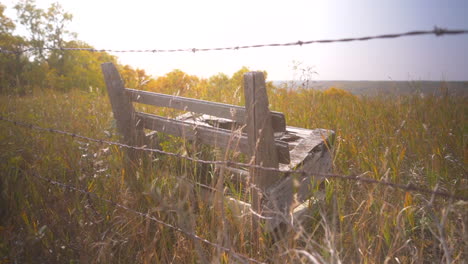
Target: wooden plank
[
  {"x": 233, "y": 112},
  {"x": 206, "y": 135},
  {"x": 121, "y": 106},
  {"x": 127, "y": 125},
  {"x": 259, "y": 131},
  {"x": 300, "y": 154},
  {"x": 307, "y": 152},
  {"x": 261, "y": 143},
  {"x": 297, "y": 188}
]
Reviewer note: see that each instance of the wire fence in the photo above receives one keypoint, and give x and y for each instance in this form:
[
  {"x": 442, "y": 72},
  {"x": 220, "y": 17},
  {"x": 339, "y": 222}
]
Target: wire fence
[
  {"x": 406, "y": 187},
  {"x": 145, "y": 215},
  {"x": 437, "y": 31}
]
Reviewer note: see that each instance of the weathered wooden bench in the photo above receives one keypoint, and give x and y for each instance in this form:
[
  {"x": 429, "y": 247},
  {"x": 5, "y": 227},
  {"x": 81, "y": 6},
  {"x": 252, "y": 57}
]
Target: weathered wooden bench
[{"x": 252, "y": 130}]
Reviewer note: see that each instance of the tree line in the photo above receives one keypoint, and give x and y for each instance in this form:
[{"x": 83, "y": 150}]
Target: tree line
[{"x": 37, "y": 61}]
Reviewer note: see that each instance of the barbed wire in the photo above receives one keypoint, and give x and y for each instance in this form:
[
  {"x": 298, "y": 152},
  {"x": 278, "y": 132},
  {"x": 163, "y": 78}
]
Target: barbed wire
[
  {"x": 437, "y": 31},
  {"x": 6, "y": 51},
  {"x": 146, "y": 215},
  {"x": 406, "y": 187}
]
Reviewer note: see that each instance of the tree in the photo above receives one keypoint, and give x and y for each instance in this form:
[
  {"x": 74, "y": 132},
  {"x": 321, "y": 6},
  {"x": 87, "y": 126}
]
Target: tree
[
  {"x": 80, "y": 69},
  {"x": 56, "y": 20},
  {"x": 37, "y": 59},
  {"x": 47, "y": 34},
  {"x": 11, "y": 64},
  {"x": 32, "y": 18},
  {"x": 219, "y": 88},
  {"x": 175, "y": 82},
  {"x": 6, "y": 24},
  {"x": 136, "y": 79}
]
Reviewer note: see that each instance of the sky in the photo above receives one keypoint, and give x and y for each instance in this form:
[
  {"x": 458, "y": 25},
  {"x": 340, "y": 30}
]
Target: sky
[{"x": 145, "y": 24}]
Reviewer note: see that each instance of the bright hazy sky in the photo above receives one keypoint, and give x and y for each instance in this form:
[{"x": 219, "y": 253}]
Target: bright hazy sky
[{"x": 140, "y": 24}]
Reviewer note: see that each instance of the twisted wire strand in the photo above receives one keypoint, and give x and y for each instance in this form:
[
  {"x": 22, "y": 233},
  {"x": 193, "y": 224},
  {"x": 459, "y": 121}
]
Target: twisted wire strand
[
  {"x": 304, "y": 173},
  {"x": 146, "y": 215},
  {"x": 437, "y": 31}
]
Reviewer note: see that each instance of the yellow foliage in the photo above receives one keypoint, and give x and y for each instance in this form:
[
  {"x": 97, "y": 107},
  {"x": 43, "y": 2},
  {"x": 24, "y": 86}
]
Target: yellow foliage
[{"x": 337, "y": 92}]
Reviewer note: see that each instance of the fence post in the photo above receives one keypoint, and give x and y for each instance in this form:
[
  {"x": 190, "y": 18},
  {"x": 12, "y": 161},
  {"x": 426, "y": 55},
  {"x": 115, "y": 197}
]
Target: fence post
[
  {"x": 261, "y": 141},
  {"x": 124, "y": 114}
]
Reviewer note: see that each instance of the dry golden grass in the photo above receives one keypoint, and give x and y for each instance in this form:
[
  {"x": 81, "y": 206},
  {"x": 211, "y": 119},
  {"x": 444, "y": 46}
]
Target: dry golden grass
[{"x": 411, "y": 139}]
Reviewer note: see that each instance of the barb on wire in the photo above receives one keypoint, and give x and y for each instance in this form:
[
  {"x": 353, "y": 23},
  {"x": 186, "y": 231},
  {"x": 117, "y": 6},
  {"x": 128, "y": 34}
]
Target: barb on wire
[
  {"x": 5, "y": 51},
  {"x": 146, "y": 215},
  {"x": 436, "y": 31},
  {"x": 304, "y": 173}
]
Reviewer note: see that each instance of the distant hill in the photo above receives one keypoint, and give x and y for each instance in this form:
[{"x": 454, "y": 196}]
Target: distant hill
[{"x": 372, "y": 88}]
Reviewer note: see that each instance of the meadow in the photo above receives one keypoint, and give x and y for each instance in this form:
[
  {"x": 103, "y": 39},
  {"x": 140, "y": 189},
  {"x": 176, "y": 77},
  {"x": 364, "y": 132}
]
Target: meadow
[{"x": 410, "y": 139}]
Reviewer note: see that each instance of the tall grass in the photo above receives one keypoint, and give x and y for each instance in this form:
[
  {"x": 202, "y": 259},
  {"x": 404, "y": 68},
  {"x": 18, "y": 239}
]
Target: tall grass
[{"x": 408, "y": 140}]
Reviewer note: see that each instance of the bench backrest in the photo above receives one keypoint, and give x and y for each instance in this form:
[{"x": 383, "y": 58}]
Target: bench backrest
[{"x": 121, "y": 98}]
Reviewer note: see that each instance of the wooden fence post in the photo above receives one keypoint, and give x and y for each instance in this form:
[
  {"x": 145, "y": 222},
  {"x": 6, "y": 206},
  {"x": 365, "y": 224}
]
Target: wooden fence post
[
  {"x": 261, "y": 141},
  {"x": 124, "y": 114}
]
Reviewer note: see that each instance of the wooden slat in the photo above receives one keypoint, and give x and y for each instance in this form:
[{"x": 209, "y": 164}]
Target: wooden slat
[
  {"x": 317, "y": 159},
  {"x": 206, "y": 135},
  {"x": 233, "y": 112},
  {"x": 297, "y": 188},
  {"x": 259, "y": 130},
  {"x": 127, "y": 124},
  {"x": 261, "y": 143},
  {"x": 122, "y": 107}
]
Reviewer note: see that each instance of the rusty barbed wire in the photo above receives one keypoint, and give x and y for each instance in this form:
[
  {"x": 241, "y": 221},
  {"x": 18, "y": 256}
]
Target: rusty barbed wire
[
  {"x": 406, "y": 187},
  {"x": 146, "y": 215},
  {"x": 437, "y": 31}
]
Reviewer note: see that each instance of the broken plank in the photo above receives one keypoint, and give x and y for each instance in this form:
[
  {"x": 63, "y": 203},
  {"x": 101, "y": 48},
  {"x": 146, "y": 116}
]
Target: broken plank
[
  {"x": 233, "y": 112},
  {"x": 207, "y": 135}
]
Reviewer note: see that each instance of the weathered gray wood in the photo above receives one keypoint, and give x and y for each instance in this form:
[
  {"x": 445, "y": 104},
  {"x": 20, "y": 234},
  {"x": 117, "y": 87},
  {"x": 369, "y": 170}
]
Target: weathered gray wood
[
  {"x": 300, "y": 154},
  {"x": 273, "y": 195},
  {"x": 259, "y": 130},
  {"x": 127, "y": 125},
  {"x": 207, "y": 135},
  {"x": 261, "y": 142},
  {"x": 223, "y": 123},
  {"x": 122, "y": 107},
  {"x": 296, "y": 189},
  {"x": 233, "y": 112},
  {"x": 307, "y": 152}
]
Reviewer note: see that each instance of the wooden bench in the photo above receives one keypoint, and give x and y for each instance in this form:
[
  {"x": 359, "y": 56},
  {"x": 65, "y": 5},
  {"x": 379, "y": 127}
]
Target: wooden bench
[{"x": 252, "y": 130}]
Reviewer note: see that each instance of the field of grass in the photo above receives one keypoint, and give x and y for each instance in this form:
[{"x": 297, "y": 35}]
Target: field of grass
[{"x": 403, "y": 139}]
